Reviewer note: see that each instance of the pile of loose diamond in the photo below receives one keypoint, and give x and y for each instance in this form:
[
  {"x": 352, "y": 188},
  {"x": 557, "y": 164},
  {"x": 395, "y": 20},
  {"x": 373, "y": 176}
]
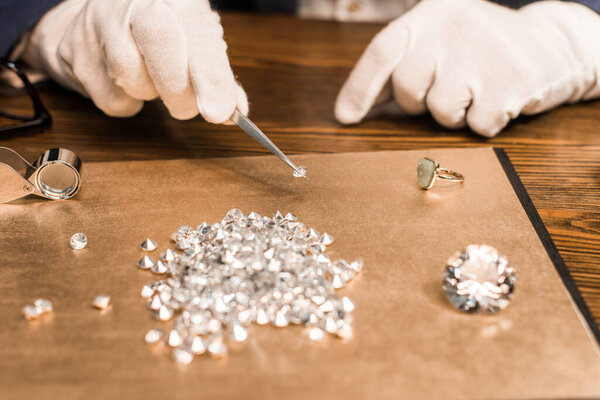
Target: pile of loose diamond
[{"x": 246, "y": 269}]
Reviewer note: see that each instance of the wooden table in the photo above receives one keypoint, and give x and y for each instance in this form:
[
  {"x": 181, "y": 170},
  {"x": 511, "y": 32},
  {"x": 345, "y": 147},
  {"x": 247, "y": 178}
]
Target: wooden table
[{"x": 292, "y": 71}]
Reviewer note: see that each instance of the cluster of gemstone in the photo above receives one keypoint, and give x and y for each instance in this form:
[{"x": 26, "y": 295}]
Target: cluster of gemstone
[{"x": 246, "y": 269}]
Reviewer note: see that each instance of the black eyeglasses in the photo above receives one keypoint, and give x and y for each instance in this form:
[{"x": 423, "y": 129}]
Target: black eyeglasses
[{"x": 39, "y": 116}]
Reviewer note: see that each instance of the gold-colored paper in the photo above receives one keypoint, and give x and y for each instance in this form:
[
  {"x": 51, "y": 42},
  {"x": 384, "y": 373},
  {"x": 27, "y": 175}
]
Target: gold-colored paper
[{"x": 409, "y": 342}]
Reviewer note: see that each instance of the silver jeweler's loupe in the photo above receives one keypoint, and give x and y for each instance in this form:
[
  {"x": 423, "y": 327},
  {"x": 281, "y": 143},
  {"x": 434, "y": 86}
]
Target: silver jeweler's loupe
[{"x": 54, "y": 175}]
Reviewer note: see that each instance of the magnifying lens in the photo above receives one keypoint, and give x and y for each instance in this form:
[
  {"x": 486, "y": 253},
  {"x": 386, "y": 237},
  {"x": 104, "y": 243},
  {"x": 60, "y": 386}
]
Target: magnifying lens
[{"x": 54, "y": 175}]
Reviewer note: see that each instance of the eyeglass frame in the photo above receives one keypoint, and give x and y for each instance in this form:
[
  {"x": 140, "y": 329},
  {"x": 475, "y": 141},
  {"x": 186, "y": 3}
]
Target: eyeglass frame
[{"x": 41, "y": 116}]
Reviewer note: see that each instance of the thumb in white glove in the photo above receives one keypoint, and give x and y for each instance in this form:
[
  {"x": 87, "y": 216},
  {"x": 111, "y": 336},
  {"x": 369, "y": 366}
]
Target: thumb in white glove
[
  {"x": 122, "y": 52},
  {"x": 474, "y": 62}
]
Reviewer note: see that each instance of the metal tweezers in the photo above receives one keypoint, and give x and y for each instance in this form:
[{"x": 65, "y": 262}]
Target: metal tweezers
[{"x": 248, "y": 126}]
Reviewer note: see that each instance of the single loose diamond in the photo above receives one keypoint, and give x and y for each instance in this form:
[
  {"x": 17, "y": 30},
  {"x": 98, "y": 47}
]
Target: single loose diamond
[
  {"x": 78, "y": 241},
  {"x": 300, "y": 172},
  {"x": 147, "y": 292},
  {"x": 164, "y": 313},
  {"x": 478, "y": 280},
  {"x": 145, "y": 262},
  {"x": 153, "y": 336},
  {"x": 239, "y": 333},
  {"x": 426, "y": 172},
  {"x": 44, "y": 305},
  {"x": 316, "y": 334},
  {"x": 101, "y": 302},
  {"x": 174, "y": 339},
  {"x": 148, "y": 245},
  {"x": 182, "y": 356},
  {"x": 217, "y": 348},
  {"x": 160, "y": 267},
  {"x": 347, "y": 304},
  {"x": 197, "y": 346},
  {"x": 345, "y": 332},
  {"x": 31, "y": 312},
  {"x": 326, "y": 239},
  {"x": 168, "y": 255}
]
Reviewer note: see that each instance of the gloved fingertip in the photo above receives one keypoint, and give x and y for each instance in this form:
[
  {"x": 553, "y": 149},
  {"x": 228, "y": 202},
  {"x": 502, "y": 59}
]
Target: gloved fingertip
[
  {"x": 242, "y": 102},
  {"x": 346, "y": 113},
  {"x": 217, "y": 111},
  {"x": 242, "y": 106},
  {"x": 121, "y": 108},
  {"x": 183, "y": 112},
  {"x": 488, "y": 130}
]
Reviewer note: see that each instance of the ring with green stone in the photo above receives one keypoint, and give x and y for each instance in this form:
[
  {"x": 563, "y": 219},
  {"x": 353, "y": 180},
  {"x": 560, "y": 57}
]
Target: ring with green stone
[{"x": 429, "y": 170}]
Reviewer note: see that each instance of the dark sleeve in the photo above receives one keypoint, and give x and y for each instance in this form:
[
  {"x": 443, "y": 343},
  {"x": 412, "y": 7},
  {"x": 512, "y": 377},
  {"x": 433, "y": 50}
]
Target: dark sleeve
[
  {"x": 290, "y": 6},
  {"x": 593, "y": 4},
  {"x": 276, "y": 6},
  {"x": 17, "y": 16}
]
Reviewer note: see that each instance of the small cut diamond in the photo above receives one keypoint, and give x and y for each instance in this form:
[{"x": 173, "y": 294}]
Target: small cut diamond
[
  {"x": 153, "y": 336},
  {"x": 101, "y": 302},
  {"x": 44, "y": 305},
  {"x": 148, "y": 245},
  {"x": 31, "y": 312},
  {"x": 145, "y": 262},
  {"x": 78, "y": 241},
  {"x": 300, "y": 172}
]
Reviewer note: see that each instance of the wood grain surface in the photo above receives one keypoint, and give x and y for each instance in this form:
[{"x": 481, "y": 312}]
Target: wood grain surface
[{"x": 292, "y": 70}]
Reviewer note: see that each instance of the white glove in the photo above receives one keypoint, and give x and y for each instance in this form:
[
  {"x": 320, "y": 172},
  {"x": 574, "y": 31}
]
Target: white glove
[
  {"x": 477, "y": 63},
  {"x": 122, "y": 52}
]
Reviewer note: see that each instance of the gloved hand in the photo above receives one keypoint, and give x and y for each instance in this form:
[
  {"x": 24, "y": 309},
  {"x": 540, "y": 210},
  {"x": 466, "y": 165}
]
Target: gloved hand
[
  {"x": 122, "y": 52},
  {"x": 477, "y": 63}
]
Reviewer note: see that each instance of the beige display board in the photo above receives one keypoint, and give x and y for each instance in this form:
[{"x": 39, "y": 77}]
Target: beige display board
[{"x": 409, "y": 343}]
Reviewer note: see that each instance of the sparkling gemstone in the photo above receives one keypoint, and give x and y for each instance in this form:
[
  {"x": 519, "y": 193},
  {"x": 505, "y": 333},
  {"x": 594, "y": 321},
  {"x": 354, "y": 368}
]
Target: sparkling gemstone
[
  {"x": 278, "y": 217},
  {"x": 31, "y": 312},
  {"x": 155, "y": 303},
  {"x": 345, "y": 332},
  {"x": 217, "y": 348},
  {"x": 45, "y": 306},
  {"x": 300, "y": 172},
  {"x": 148, "y": 245},
  {"x": 239, "y": 333},
  {"x": 101, "y": 302},
  {"x": 164, "y": 313},
  {"x": 426, "y": 172},
  {"x": 197, "y": 346},
  {"x": 312, "y": 234},
  {"x": 326, "y": 239},
  {"x": 147, "y": 292},
  {"x": 347, "y": 304},
  {"x": 182, "y": 356},
  {"x": 146, "y": 262},
  {"x": 174, "y": 339},
  {"x": 262, "y": 317},
  {"x": 78, "y": 241},
  {"x": 153, "y": 336},
  {"x": 478, "y": 280},
  {"x": 316, "y": 334},
  {"x": 290, "y": 217},
  {"x": 330, "y": 325},
  {"x": 280, "y": 320},
  {"x": 169, "y": 255},
  {"x": 160, "y": 267}
]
